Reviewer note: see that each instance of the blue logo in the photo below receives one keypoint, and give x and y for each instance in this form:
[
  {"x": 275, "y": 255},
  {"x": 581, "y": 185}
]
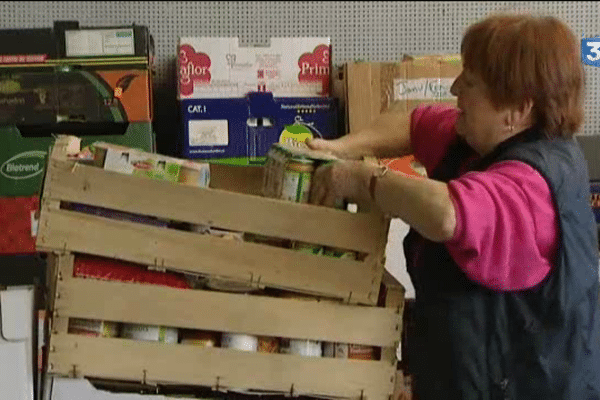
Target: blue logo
[{"x": 590, "y": 51}]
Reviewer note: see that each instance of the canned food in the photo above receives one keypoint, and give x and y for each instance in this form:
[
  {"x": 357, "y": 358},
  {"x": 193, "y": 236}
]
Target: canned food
[
  {"x": 308, "y": 248},
  {"x": 268, "y": 344},
  {"x": 150, "y": 333},
  {"x": 338, "y": 253},
  {"x": 297, "y": 178},
  {"x": 301, "y": 347},
  {"x": 349, "y": 351},
  {"x": 93, "y": 328},
  {"x": 199, "y": 338},
  {"x": 239, "y": 341}
]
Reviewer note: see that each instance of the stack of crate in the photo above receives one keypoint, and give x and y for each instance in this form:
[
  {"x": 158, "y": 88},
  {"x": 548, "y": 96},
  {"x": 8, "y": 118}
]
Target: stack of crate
[{"x": 364, "y": 305}]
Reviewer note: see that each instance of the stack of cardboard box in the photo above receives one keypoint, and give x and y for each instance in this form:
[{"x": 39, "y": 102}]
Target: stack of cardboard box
[{"x": 92, "y": 82}]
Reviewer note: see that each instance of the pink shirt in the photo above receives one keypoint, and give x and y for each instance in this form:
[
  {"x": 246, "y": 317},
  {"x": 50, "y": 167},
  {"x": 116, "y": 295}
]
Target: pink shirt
[{"x": 506, "y": 232}]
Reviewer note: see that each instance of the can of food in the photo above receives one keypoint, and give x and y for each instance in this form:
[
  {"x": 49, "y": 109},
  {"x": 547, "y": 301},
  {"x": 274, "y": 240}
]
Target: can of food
[
  {"x": 308, "y": 248},
  {"x": 93, "y": 328},
  {"x": 194, "y": 174},
  {"x": 267, "y": 344},
  {"x": 349, "y": 351},
  {"x": 301, "y": 347},
  {"x": 199, "y": 338},
  {"x": 297, "y": 178},
  {"x": 150, "y": 333},
  {"x": 338, "y": 253},
  {"x": 239, "y": 341}
]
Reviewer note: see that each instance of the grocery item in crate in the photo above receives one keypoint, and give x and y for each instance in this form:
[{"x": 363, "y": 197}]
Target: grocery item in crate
[
  {"x": 301, "y": 347},
  {"x": 130, "y": 161},
  {"x": 289, "y": 169},
  {"x": 239, "y": 341},
  {"x": 198, "y": 338},
  {"x": 117, "y": 270},
  {"x": 349, "y": 351},
  {"x": 93, "y": 328},
  {"x": 160, "y": 334},
  {"x": 267, "y": 344}
]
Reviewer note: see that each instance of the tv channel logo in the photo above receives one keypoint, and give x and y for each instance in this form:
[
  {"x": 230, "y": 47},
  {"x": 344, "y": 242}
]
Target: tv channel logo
[{"x": 590, "y": 51}]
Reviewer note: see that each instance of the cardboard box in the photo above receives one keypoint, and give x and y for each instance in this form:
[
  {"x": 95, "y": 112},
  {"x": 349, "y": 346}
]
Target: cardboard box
[
  {"x": 217, "y": 67},
  {"x": 22, "y": 166},
  {"x": 73, "y": 74},
  {"x": 369, "y": 89},
  {"x": 237, "y": 101},
  {"x": 241, "y": 131},
  {"x": 18, "y": 343}
]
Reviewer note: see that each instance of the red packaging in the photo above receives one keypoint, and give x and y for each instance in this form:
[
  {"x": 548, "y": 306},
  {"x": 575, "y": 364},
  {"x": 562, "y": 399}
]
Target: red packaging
[
  {"x": 16, "y": 218},
  {"x": 116, "y": 270}
]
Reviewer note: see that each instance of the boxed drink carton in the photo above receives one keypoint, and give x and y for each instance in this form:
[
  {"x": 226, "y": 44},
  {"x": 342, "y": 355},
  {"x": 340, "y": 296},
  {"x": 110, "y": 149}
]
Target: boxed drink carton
[{"x": 237, "y": 101}]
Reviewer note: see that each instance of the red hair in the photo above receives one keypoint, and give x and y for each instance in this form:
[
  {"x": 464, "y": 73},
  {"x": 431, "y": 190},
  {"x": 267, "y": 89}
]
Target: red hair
[{"x": 522, "y": 58}]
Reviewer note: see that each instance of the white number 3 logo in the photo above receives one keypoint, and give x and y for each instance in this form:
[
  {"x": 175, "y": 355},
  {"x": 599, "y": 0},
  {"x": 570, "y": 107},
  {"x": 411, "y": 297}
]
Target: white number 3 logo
[{"x": 595, "y": 49}]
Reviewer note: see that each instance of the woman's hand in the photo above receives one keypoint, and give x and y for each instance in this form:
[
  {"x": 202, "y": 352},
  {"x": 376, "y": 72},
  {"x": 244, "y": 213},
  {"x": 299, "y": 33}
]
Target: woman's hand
[
  {"x": 337, "y": 147},
  {"x": 342, "y": 181}
]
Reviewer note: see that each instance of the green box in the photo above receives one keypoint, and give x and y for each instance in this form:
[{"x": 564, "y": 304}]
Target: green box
[{"x": 23, "y": 159}]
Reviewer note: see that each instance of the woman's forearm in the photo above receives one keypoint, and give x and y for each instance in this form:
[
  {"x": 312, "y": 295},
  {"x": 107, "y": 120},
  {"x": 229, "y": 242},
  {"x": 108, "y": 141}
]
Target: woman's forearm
[
  {"x": 387, "y": 137},
  {"x": 422, "y": 203}
]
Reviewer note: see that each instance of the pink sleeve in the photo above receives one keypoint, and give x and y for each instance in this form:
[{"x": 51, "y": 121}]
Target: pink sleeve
[
  {"x": 506, "y": 226},
  {"x": 431, "y": 132}
]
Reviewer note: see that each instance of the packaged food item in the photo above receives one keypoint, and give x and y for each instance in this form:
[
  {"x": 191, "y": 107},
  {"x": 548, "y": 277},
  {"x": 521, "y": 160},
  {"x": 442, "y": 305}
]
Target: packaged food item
[
  {"x": 239, "y": 341},
  {"x": 199, "y": 338},
  {"x": 349, "y": 351},
  {"x": 268, "y": 344},
  {"x": 301, "y": 347},
  {"x": 150, "y": 333},
  {"x": 93, "y": 328}
]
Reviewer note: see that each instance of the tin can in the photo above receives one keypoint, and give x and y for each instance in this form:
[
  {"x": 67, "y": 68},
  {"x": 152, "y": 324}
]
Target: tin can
[
  {"x": 308, "y": 248},
  {"x": 199, "y": 338},
  {"x": 93, "y": 328},
  {"x": 150, "y": 333},
  {"x": 297, "y": 178},
  {"x": 302, "y": 347},
  {"x": 339, "y": 253},
  {"x": 349, "y": 351},
  {"x": 267, "y": 344},
  {"x": 239, "y": 341}
]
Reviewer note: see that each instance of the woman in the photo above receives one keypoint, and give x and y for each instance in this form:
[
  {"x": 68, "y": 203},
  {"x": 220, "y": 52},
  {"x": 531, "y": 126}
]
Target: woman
[{"x": 503, "y": 245}]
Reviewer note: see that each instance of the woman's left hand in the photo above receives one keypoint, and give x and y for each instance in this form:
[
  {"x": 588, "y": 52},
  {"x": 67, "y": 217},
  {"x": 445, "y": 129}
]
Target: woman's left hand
[{"x": 342, "y": 181}]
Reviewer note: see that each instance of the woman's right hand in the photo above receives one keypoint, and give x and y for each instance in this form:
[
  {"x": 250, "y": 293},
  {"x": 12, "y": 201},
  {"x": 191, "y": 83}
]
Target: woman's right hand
[{"x": 336, "y": 147}]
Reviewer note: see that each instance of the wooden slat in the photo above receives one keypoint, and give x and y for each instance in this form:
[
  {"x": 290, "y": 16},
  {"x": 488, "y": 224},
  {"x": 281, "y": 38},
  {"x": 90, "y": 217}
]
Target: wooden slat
[
  {"x": 253, "y": 314},
  {"x": 164, "y": 363},
  {"x": 223, "y": 209},
  {"x": 269, "y": 266}
]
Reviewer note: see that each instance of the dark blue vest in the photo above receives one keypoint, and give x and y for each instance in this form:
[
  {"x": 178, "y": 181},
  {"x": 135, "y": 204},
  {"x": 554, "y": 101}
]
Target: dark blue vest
[{"x": 470, "y": 342}]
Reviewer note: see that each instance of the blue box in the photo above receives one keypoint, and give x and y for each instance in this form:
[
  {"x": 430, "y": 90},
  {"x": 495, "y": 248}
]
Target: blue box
[{"x": 240, "y": 131}]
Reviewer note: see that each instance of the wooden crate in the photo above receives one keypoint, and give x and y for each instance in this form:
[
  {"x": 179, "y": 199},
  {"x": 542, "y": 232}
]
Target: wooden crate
[
  {"x": 356, "y": 282},
  {"x": 151, "y": 362}
]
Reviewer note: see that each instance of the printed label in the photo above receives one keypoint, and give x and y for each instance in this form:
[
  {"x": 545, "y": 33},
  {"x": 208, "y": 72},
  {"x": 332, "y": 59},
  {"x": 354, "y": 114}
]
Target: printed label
[
  {"x": 209, "y": 133},
  {"x": 193, "y": 67},
  {"x": 423, "y": 89},
  {"x": 99, "y": 42},
  {"x": 24, "y": 165},
  {"x": 590, "y": 51},
  {"x": 314, "y": 67}
]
